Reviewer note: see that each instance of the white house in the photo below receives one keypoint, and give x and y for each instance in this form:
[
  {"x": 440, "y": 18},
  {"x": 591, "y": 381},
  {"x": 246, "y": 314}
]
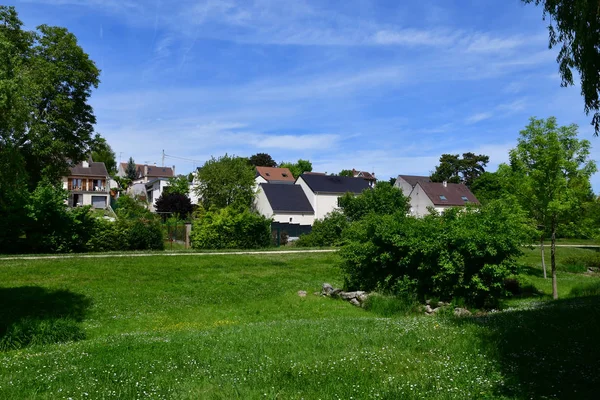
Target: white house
[
  {"x": 154, "y": 189},
  {"x": 87, "y": 184},
  {"x": 284, "y": 203},
  {"x": 323, "y": 191},
  {"x": 407, "y": 183},
  {"x": 439, "y": 196}
]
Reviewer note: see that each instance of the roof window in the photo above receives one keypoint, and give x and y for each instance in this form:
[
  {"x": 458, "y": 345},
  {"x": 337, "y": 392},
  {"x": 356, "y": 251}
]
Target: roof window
[
  {"x": 267, "y": 174},
  {"x": 442, "y": 197},
  {"x": 465, "y": 198},
  {"x": 284, "y": 175}
]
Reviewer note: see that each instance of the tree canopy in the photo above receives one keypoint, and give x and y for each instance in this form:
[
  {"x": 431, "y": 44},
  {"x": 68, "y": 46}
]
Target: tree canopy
[
  {"x": 551, "y": 173},
  {"x": 575, "y": 27},
  {"x": 175, "y": 203},
  {"x": 262, "y": 160},
  {"x": 465, "y": 170},
  {"x": 297, "y": 168},
  {"x": 346, "y": 172},
  {"x": 102, "y": 152},
  {"x": 131, "y": 169},
  {"x": 226, "y": 181},
  {"x": 178, "y": 184}
]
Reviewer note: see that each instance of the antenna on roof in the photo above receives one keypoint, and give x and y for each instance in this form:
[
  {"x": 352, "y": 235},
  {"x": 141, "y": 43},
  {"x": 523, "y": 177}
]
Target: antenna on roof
[{"x": 163, "y": 158}]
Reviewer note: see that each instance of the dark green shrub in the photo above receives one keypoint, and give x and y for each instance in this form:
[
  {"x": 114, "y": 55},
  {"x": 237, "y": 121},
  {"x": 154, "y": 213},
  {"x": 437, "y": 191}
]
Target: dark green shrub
[
  {"x": 384, "y": 199},
  {"x": 462, "y": 253},
  {"x": 325, "y": 232},
  {"x": 231, "y": 228},
  {"x": 108, "y": 236},
  {"x": 144, "y": 234}
]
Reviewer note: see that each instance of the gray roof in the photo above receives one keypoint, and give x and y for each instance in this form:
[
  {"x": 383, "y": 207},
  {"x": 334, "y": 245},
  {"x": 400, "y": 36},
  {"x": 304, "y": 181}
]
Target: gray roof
[
  {"x": 286, "y": 198},
  {"x": 414, "y": 179},
  {"x": 335, "y": 184},
  {"x": 453, "y": 193},
  {"x": 94, "y": 169}
]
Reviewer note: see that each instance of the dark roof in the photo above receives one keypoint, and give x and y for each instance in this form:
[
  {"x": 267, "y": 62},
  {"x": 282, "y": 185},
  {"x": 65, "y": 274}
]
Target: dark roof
[
  {"x": 153, "y": 171},
  {"x": 275, "y": 174},
  {"x": 284, "y": 197},
  {"x": 453, "y": 192},
  {"x": 94, "y": 169},
  {"x": 414, "y": 179},
  {"x": 334, "y": 184},
  {"x": 364, "y": 174}
]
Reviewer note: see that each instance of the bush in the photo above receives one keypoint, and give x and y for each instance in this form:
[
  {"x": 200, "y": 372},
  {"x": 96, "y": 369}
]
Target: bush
[
  {"x": 144, "y": 234},
  {"x": 231, "y": 228},
  {"x": 461, "y": 253},
  {"x": 580, "y": 262},
  {"x": 325, "y": 232}
]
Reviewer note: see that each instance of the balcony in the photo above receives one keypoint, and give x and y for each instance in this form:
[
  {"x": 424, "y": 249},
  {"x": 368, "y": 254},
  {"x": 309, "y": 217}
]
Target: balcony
[{"x": 100, "y": 189}]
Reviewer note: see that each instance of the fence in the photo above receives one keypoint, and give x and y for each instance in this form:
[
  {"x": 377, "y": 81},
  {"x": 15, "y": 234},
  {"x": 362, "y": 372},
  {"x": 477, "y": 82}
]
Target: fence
[
  {"x": 177, "y": 233},
  {"x": 281, "y": 231}
]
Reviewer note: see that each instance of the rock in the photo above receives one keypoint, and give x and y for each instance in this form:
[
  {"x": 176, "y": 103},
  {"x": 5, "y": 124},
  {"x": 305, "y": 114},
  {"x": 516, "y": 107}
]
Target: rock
[
  {"x": 327, "y": 289},
  {"x": 428, "y": 309},
  {"x": 435, "y": 310},
  {"x": 355, "y": 302},
  {"x": 302, "y": 293},
  {"x": 317, "y": 293},
  {"x": 461, "y": 312},
  {"x": 591, "y": 270},
  {"x": 335, "y": 292},
  {"x": 442, "y": 304},
  {"x": 428, "y": 302},
  {"x": 348, "y": 295},
  {"x": 362, "y": 296}
]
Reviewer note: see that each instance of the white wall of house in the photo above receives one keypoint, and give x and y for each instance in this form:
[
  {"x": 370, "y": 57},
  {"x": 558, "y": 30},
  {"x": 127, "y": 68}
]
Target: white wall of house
[
  {"x": 264, "y": 208},
  {"x": 154, "y": 192},
  {"x": 404, "y": 186},
  {"x": 326, "y": 203},
  {"x": 309, "y": 193},
  {"x": 419, "y": 202},
  {"x": 259, "y": 179}
]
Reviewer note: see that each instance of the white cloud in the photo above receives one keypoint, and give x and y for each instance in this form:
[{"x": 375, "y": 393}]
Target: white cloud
[
  {"x": 473, "y": 119},
  {"x": 483, "y": 43}
]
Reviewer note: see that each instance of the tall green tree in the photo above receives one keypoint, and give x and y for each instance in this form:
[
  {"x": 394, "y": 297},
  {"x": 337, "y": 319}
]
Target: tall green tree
[
  {"x": 465, "y": 170},
  {"x": 262, "y": 160},
  {"x": 491, "y": 186},
  {"x": 178, "y": 184},
  {"x": 346, "y": 172},
  {"x": 575, "y": 27},
  {"x": 131, "y": 170},
  {"x": 226, "y": 181},
  {"x": 551, "y": 173},
  {"x": 297, "y": 168},
  {"x": 102, "y": 152},
  {"x": 384, "y": 199}
]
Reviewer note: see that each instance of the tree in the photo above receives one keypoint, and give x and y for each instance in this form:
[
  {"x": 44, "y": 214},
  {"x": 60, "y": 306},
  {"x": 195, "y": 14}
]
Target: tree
[
  {"x": 551, "y": 173},
  {"x": 491, "y": 186},
  {"x": 179, "y": 185},
  {"x": 131, "y": 170},
  {"x": 174, "y": 203},
  {"x": 298, "y": 168},
  {"x": 382, "y": 200},
  {"x": 453, "y": 169},
  {"x": 262, "y": 160},
  {"x": 102, "y": 152},
  {"x": 346, "y": 172},
  {"x": 575, "y": 26},
  {"x": 226, "y": 181},
  {"x": 47, "y": 80}
]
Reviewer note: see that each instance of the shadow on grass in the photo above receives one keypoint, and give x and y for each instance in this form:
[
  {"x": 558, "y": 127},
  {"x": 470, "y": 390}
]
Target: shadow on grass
[
  {"x": 528, "y": 270},
  {"x": 548, "y": 351},
  {"x": 32, "y": 315}
]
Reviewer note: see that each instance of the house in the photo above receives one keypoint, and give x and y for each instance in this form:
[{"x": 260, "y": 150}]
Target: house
[
  {"x": 284, "y": 203},
  {"x": 274, "y": 175},
  {"x": 145, "y": 173},
  {"x": 407, "y": 183},
  {"x": 323, "y": 191},
  {"x": 368, "y": 176},
  {"x": 87, "y": 184},
  {"x": 154, "y": 189},
  {"x": 439, "y": 196}
]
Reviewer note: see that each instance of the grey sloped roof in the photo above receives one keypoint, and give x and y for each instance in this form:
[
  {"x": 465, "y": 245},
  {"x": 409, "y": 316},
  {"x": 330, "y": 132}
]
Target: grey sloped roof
[
  {"x": 335, "y": 184},
  {"x": 284, "y": 197},
  {"x": 414, "y": 179},
  {"x": 452, "y": 192},
  {"x": 94, "y": 169}
]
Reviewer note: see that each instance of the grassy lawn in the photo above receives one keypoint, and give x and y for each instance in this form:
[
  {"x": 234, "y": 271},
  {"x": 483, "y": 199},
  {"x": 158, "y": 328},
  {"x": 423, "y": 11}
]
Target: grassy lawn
[{"x": 230, "y": 326}]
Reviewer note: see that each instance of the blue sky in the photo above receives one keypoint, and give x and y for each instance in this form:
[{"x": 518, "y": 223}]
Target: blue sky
[{"x": 381, "y": 86}]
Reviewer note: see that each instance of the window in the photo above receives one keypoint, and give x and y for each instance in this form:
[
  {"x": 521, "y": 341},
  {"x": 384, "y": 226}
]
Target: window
[
  {"x": 267, "y": 174},
  {"x": 442, "y": 197},
  {"x": 465, "y": 198},
  {"x": 77, "y": 184},
  {"x": 284, "y": 175}
]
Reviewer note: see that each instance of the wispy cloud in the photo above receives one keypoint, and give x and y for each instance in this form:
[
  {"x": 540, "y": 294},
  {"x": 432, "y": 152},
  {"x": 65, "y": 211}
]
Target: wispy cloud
[{"x": 473, "y": 119}]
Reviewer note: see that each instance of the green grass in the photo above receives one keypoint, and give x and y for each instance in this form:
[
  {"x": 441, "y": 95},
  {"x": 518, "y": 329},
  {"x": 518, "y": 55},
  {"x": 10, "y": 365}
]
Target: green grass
[{"x": 230, "y": 326}]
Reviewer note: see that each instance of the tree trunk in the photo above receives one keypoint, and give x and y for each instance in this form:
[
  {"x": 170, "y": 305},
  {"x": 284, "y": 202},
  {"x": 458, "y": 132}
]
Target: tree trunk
[
  {"x": 543, "y": 259},
  {"x": 553, "y": 261}
]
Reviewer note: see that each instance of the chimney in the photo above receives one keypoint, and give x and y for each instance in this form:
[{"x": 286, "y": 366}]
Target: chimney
[
  {"x": 445, "y": 184},
  {"x": 85, "y": 164},
  {"x": 173, "y": 170},
  {"x": 145, "y": 169}
]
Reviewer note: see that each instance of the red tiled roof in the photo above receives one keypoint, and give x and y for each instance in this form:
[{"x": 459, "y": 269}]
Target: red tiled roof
[
  {"x": 453, "y": 193},
  {"x": 275, "y": 174}
]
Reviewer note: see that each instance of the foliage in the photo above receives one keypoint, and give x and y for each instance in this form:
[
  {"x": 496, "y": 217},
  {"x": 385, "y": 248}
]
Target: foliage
[
  {"x": 453, "y": 169},
  {"x": 230, "y": 228},
  {"x": 123, "y": 182},
  {"x": 144, "y": 234},
  {"x": 132, "y": 207},
  {"x": 174, "y": 203},
  {"x": 325, "y": 232},
  {"x": 262, "y": 160},
  {"x": 491, "y": 186},
  {"x": 298, "y": 168},
  {"x": 346, "y": 172},
  {"x": 226, "y": 181},
  {"x": 462, "y": 253},
  {"x": 108, "y": 236},
  {"x": 179, "y": 185},
  {"x": 575, "y": 26},
  {"x": 102, "y": 152},
  {"x": 131, "y": 170},
  {"x": 382, "y": 199},
  {"x": 551, "y": 173},
  {"x": 13, "y": 198}
]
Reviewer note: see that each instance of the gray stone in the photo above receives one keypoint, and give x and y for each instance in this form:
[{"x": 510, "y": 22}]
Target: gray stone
[
  {"x": 362, "y": 297},
  {"x": 461, "y": 312},
  {"x": 428, "y": 309},
  {"x": 355, "y": 302},
  {"x": 442, "y": 304},
  {"x": 428, "y": 302},
  {"x": 348, "y": 295},
  {"x": 302, "y": 293},
  {"x": 327, "y": 289},
  {"x": 335, "y": 292},
  {"x": 435, "y": 310}
]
